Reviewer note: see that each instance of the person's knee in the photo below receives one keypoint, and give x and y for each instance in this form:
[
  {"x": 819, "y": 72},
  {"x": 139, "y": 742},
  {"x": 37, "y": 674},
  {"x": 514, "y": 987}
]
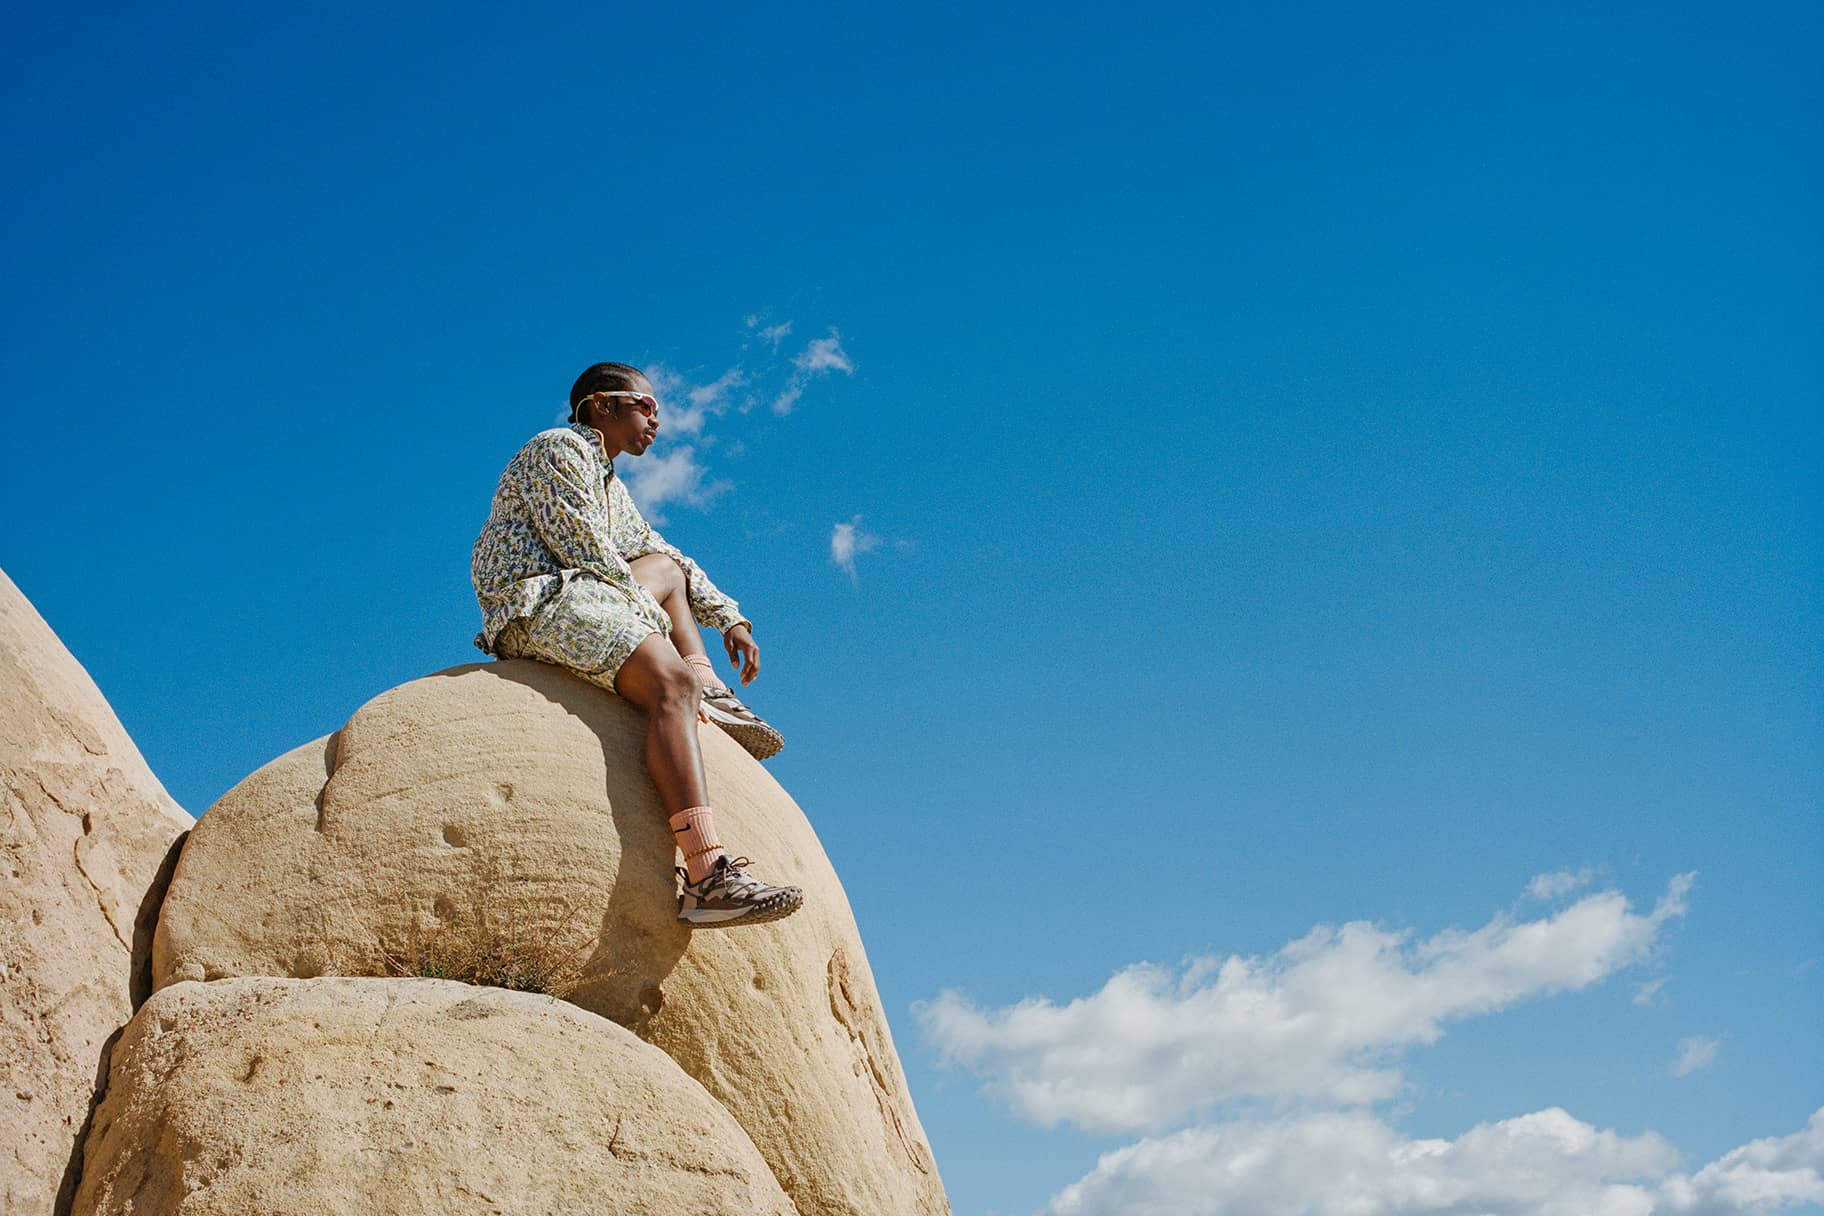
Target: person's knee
[
  {"x": 676, "y": 691},
  {"x": 656, "y": 680},
  {"x": 659, "y": 575}
]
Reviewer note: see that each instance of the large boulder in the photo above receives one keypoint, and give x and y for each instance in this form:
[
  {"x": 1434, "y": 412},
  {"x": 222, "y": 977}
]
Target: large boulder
[
  {"x": 344, "y": 1097},
  {"x": 503, "y": 809},
  {"x": 88, "y": 834}
]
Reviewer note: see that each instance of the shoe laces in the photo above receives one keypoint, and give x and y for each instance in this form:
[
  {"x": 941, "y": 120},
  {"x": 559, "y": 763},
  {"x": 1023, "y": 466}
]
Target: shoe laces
[
  {"x": 735, "y": 876},
  {"x": 727, "y": 870}
]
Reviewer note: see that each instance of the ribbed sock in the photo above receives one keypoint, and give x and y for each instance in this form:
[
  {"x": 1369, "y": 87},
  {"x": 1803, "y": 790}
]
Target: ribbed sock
[
  {"x": 706, "y": 672},
  {"x": 694, "y": 828}
]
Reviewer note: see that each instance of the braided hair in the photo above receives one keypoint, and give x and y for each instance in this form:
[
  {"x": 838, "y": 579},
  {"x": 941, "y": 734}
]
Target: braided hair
[{"x": 602, "y": 377}]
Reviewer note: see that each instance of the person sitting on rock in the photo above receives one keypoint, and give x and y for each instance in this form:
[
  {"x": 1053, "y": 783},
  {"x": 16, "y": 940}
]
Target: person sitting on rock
[{"x": 569, "y": 572}]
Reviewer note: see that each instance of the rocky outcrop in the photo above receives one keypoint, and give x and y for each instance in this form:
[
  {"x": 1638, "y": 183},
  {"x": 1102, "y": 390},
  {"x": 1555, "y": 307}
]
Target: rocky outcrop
[
  {"x": 87, "y": 834},
  {"x": 509, "y": 801},
  {"x": 345, "y": 1097}
]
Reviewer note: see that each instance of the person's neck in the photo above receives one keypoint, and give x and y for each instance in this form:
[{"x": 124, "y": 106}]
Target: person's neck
[{"x": 601, "y": 441}]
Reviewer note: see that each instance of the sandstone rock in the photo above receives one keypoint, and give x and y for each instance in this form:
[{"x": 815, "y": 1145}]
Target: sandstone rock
[
  {"x": 510, "y": 801},
  {"x": 359, "y": 1096},
  {"x": 86, "y": 834}
]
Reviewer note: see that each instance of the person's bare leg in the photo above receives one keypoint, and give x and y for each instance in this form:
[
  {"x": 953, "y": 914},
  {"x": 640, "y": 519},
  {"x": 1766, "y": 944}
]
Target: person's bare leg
[
  {"x": 658, "y": 682},
  {"x": 661, "y": 576},
  {"x": 718, "y": 891}
]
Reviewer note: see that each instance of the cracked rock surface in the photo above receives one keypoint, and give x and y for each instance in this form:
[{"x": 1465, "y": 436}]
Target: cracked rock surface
[
  {"x": 343, "y": 1097},
  {"x": 86, "y": 835}
]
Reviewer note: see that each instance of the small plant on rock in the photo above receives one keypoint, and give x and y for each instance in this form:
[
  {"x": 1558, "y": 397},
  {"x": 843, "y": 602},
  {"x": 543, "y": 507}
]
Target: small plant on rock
[{"x": 506, "y": 941}]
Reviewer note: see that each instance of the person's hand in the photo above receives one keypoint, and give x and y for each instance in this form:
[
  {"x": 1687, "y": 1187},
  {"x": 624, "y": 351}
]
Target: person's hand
[{"x": 743, "y": 651}]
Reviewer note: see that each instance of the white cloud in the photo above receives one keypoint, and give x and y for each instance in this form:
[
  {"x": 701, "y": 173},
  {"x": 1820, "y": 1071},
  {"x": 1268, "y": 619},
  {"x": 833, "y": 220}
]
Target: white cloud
[
  {"x": 1694, "y": 1053},
  {"x": 787, "y": 397},
  {"x": 772, "y": 334},
  {"x": 1760, "y": 1176},
  {"x": 706, "y": 396},
  {"x": 684, "y": 407},
  {"x": 1352, "y": 1164},
  {"x": 821, "y": 357},
  {"x": 670, "y": 388},
  {"x": 674, "y": 477},
  {"x": 1558, "y": 883},
  {"x": 824, "y": 355},
  {"x": 1648, "y": 992},
  {"x": 1317, "y": 1020},
  {"x": 689, "y": 409},
  {"x": 847, "y": 540}
]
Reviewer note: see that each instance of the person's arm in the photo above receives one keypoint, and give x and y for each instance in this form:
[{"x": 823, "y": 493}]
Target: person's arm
[
  {"x": 708, "y": 606},
  {"x": 568, "y": 510}
]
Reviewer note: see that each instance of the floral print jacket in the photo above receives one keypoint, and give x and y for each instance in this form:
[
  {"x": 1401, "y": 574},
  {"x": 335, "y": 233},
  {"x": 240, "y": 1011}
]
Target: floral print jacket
[{"x": 560, "y": 511}]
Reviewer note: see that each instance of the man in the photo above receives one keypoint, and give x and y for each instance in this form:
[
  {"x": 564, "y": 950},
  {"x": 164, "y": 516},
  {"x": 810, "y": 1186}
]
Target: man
[{"x": 569, "y": 572}]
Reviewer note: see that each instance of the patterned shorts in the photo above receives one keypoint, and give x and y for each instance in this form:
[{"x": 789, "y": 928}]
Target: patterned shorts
[{"x": 588, "y": 626}]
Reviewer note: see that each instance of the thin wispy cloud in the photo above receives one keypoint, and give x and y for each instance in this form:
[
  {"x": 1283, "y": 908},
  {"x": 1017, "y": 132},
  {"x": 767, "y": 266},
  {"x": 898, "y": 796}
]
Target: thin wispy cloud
[
  {"x": 1698, "y": 1051},
  {"x": 772, "y": 335},
  {"x": 702, "y": 410},
  {"x": 1323, "y": 1019},
  {"x": 819, "y": 358},
  {"x": 686, "y": 408},
  {"x": 1649, "y": 992},
  {"x": 824, "y": 355},
  {"x": 849, "y": 539},
  {"x": 705, "y": 401},
  {"x": 1559, "y": 883}
]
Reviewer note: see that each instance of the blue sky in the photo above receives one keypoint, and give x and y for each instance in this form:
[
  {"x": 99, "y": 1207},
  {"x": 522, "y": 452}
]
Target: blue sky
[{"x": 1328, "y": 466}]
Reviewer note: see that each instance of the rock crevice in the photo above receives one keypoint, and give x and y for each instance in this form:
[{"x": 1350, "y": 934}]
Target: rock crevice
[{"x": 86, "y": 834}]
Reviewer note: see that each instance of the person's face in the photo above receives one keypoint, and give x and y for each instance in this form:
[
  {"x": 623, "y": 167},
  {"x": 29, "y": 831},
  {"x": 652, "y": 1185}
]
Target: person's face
[{"x": 627, "y": 423}]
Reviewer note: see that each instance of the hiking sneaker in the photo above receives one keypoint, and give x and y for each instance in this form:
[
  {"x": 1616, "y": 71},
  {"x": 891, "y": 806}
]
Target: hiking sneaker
[
  {"x": 725, "y": 710},
  {"x": 728, "y": 896}
]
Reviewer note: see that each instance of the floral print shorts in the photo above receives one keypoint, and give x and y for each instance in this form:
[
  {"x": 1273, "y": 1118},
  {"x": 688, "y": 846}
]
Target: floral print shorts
[{"x": 589, "y": 626}]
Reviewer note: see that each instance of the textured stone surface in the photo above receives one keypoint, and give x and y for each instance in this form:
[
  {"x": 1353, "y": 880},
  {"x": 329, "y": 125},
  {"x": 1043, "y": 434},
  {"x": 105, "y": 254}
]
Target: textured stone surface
[
  {"x": 354, "y": 1096},
  {"x": 513, "y": 796},
  {"x": 86, "y": 832}
]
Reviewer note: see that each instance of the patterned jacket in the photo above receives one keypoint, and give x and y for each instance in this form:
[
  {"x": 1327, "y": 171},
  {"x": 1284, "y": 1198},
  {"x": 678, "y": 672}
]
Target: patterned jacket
[{"x": 560, "y": 511}]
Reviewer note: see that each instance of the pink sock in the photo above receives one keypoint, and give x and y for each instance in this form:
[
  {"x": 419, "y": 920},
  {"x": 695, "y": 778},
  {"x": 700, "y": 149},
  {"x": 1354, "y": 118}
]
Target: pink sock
[
  {"x": 695, "y": 829},
  {"x": 706, "y": 672}
]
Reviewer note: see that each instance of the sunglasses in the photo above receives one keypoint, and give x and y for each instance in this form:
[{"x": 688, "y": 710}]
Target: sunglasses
[{"x": 646, "y": 403}]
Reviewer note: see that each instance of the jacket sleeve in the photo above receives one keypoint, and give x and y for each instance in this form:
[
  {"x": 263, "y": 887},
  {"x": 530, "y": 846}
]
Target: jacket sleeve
[
  {"x": 708, "y": 605},
  {"x": 569, "y": 512}
]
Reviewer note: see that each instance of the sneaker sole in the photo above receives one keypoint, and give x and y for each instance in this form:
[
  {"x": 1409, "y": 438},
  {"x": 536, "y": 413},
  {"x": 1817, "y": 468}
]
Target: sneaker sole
[
  {"x": 756, "y": 914},
  {"x": 760, "y": 740}
]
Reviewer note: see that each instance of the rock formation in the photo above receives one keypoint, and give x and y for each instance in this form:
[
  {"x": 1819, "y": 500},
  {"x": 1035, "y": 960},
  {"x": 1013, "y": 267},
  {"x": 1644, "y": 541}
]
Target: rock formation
[
  {"x": 349, "y": 1097},
  {"x": 509, "y": 801},
  {"x": 492, "y": 822},
  {"x": 87, "y": 833}
]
